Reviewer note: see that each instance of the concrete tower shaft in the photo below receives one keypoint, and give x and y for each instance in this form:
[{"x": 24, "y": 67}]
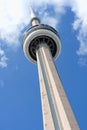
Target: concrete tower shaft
[
  {"x": 57, "y": 113},
  {"x": 41, "y": 45}
]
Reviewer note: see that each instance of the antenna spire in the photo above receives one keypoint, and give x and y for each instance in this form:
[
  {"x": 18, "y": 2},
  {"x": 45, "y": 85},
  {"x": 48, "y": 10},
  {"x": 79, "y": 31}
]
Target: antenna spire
[
  {"x": 32, "y": 12},
  {"x": 34, "y": 19}
]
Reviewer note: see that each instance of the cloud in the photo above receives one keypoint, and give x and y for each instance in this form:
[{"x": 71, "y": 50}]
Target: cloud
[
  {"x": 79, "y": 7},
  {"x": 13, "y": 17},
  {"x": 3, "y": 59}
]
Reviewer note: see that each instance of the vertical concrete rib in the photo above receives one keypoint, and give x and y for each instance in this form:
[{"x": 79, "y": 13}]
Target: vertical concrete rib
[
  {"x": 47, "y": 116},
  {"x": 57, "y": 113}
]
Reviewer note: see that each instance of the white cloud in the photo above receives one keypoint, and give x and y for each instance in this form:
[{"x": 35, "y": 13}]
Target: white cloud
[
  {"x": 49, "y": 19},
  {"x": 3, "y": 59},
  {"x": 13, "y": 17},
  {"x": 1, "y": 52},
  {"x": 79, "y": 7}
]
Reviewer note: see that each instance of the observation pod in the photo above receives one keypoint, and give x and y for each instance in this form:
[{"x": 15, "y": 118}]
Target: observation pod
[{"x": 37, "y": 35}]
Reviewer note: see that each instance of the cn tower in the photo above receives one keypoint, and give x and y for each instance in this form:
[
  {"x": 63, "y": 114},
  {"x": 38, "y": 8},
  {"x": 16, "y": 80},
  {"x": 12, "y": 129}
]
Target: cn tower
[{"x": 41, "y": 45}]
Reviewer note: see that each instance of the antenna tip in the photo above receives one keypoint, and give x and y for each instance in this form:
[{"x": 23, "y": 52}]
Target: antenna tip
[{"x": 34, "y": 20}]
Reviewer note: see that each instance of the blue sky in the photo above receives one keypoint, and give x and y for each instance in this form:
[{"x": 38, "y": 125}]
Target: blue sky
[{"x": 20, "y": 104}]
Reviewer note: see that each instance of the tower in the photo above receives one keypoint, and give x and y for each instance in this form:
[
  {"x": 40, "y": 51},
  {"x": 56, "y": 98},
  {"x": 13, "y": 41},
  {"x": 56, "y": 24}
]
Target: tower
[{"x": 41, "y": 45}]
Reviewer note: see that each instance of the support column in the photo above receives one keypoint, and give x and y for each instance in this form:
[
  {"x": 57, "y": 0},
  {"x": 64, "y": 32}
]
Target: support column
[
  {"x": 57, "y": 113},
  {"x": 46, "y": 112}
]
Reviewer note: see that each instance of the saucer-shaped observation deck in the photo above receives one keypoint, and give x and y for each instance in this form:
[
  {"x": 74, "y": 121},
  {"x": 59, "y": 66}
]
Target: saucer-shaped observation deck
[{"x": 37, "y": 35}]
